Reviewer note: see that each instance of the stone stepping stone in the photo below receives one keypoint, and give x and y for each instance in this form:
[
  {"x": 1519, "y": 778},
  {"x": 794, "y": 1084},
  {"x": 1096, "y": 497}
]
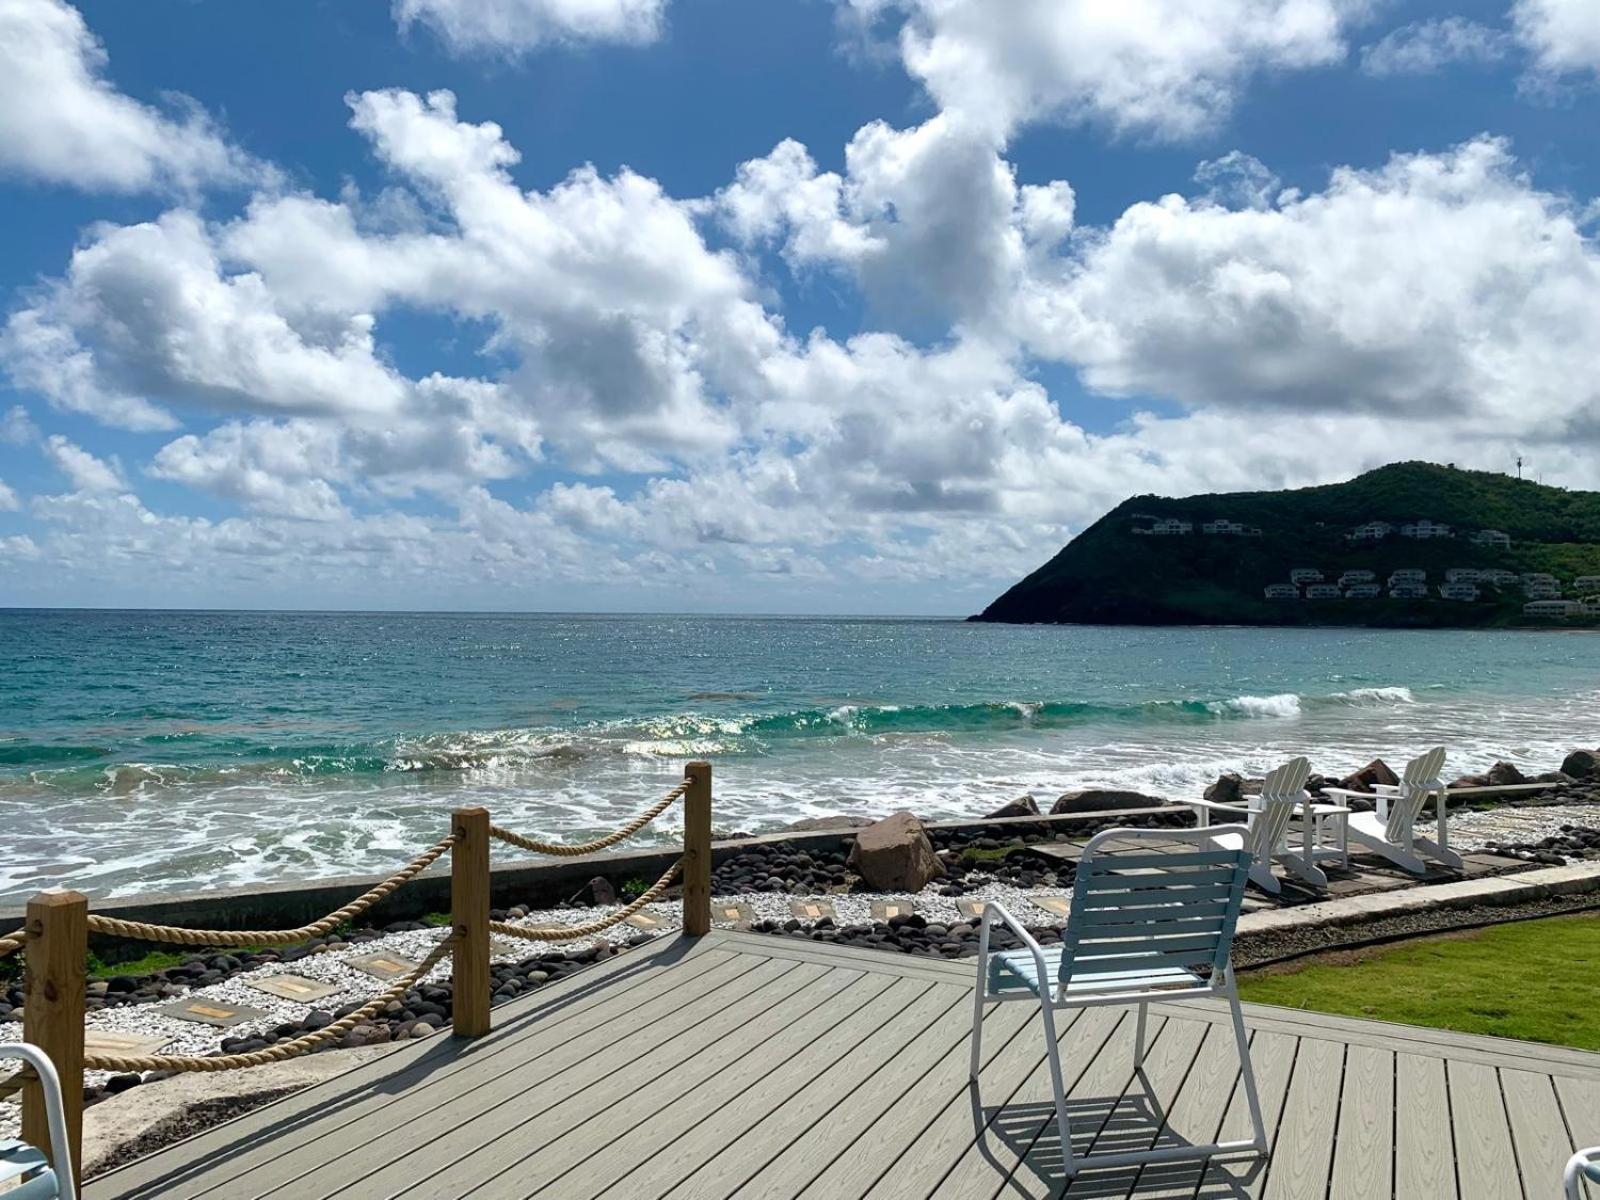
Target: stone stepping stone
[
  {"x": 206, "y": 1011},
  {"x": 739, "y": 915},
  {"x": 104, "y": 1041},
  {"x": 499, "y": 946},
  {"x": 648, "y": 922},
  {"x": 293, "y": 987},
  {"x": 1058, "y": 906},
  {"x": 971, "y": 909},
  {"x": 882, "y": 910},
  {"x": 813, "y": 910},
  {"x": 382, "y": 966}
]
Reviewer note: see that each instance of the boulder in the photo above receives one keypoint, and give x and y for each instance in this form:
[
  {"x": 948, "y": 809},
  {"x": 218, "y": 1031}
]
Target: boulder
[
  {"x": 1082, "y": 800},
  {"x": 1367, "y": 779},
  {"x": 597, "y": 891},
  {"x": 837, "y": 821},
  {"x": 895, "y": 855},
  {"x": 1504, "y": 774},
  {"x": 1468, "y": 781},
  {"x": 1228, "y": 789},
  {"x": 1581, "y": 764},
  {"x": 1553, "y": 777},
  {"x": 1022, "y": 806}
]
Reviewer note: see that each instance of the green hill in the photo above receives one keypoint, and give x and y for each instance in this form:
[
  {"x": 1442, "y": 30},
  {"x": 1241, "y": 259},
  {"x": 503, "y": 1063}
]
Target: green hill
[{"x": 1110, "y": 574}]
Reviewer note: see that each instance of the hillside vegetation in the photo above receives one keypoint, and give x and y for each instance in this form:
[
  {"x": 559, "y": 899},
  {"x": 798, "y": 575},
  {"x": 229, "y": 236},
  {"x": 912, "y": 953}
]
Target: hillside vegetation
[{"x": 1110, "y": 575}]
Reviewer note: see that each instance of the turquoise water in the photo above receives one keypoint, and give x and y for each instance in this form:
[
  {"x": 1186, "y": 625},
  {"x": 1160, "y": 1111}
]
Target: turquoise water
[{"x": 160, "y": 751}]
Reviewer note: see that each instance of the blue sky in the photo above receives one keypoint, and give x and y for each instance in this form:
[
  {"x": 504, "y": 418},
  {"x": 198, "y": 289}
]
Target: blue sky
[{"x": 788, "y": 306}]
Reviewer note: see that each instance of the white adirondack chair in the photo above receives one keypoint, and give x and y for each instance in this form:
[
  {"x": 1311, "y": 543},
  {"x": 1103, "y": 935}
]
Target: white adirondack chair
[
  {"x": 1390, "y": 831},
  {"x": 1153, "y": 924},
  {"x": 1267, "y": 827},
  {"x": 24, "y": 1168}
]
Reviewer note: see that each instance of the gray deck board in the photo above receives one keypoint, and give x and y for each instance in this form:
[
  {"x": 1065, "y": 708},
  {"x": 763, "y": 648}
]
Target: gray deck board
[{"x": 743, "y": 1065}]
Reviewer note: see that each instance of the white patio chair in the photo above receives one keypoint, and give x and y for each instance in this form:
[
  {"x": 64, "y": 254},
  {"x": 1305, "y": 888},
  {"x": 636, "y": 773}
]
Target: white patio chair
[
  {"x": 1584, "y": 1165},
  {"x": 1153, "y": 924},
  {"x": 24, "y": 1168},
  {"x": 1390, "y": 831},
  {"x": 1267, "y": 818}
]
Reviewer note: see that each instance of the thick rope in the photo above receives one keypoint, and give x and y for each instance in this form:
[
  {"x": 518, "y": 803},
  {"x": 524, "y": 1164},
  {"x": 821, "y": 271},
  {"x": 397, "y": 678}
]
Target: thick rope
[
  {"x": 271, "y": 937},
  {"x": 283, "y": 1050},
  {"x": 12, "y": 942},
  {"x": 563, "y": 850},
  {"x": 562, "y": 933}
]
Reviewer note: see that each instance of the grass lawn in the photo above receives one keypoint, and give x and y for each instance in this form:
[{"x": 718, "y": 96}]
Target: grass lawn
[{"x": 1535, "y": 980}]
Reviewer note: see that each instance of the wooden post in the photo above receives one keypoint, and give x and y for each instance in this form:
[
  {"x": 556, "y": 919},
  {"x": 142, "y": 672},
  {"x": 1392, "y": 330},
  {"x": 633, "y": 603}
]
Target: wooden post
[
  {"x": 697, "y": 850},
  {"x": 469, "y": 914},
  {"x": 57, "y": 959}
]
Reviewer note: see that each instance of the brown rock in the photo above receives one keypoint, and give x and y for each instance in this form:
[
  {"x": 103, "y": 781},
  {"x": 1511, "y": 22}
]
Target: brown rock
[
  {"x": 837, "y": 821},
  {"x": 1581, "y": 764},
  {"x": 1022, "y": 806},
  {"x": 1553, "y": 777},
  {"x": 1367, "y": 779},
  {"x": 1228, "y": 789},
  {"x": 895, "y": 855},
  {"x": 1469, "y": 781},
  {"x": 1083, "y": 800},
  {"x": 1503, "y": 774}
]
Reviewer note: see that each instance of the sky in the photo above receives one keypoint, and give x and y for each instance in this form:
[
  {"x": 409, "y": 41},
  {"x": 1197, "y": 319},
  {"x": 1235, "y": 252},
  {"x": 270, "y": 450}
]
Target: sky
[{"x": 857, "y": 306}]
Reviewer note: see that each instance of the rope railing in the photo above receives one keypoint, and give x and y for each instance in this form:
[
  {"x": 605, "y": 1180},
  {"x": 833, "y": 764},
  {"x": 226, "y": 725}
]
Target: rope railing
[
  {"x": 562, "y": 933},
  {"x": 176, "y": 935},
  {"x": 567, "y": 850},
  {"x": 55, "y": 944},
  {"x": 283, "y": 1050}
]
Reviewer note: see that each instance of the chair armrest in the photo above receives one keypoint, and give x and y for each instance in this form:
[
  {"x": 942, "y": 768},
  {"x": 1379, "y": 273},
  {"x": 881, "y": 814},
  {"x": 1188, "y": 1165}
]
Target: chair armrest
[
  {"x": 993, "y": 911},
  {"x": 1218, "y": 806},
  {"x": 1327, "y": 791}
]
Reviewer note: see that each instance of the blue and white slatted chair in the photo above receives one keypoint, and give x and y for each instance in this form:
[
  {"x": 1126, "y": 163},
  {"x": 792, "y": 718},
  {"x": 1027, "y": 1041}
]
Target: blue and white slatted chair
[
  {"x": 1150, "y": 924},
  {"x": 1584, "y": 1165},
  {"x": 24, "y": 1168}
]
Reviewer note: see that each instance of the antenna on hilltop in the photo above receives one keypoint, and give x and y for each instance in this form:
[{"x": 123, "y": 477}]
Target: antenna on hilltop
[{"x": 1519, "y": 466}]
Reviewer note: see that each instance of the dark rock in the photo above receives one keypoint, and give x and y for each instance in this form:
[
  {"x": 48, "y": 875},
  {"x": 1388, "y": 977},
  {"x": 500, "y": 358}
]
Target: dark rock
[
  {"x": 1581, "y": 764},
  {"x": 121, "y": 1083},
  {"x": 895, "y": 855},
  {"x": 1102, "y": 799},
  {"x": 1022, "y": 806},
  {"x": 1228, "y": 789},
  {"x": 1366, "y": 780},
  {"x": 837, "y": 821},
  {"x": 1504, "y": 774}
]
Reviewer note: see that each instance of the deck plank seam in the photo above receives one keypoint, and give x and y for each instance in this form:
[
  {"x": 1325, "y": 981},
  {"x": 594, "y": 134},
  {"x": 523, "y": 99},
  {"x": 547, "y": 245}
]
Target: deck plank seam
[
  {"x": 1277, "y": 1121},
  {"x": 1338, "y": 1111},
  {"x": 1505, "y": 1111},
  {"x": 1450, "y": 1117}
]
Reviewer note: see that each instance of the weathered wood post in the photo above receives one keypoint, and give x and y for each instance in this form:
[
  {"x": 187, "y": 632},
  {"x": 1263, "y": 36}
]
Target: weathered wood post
[
  {"x": 57, "y": 959},
  {"x": 469, "y": 916},
  {"x": 697, "y": 849}
]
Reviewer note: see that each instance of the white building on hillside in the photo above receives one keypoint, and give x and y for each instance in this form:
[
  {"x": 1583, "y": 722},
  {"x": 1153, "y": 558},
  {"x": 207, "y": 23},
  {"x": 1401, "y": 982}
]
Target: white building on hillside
[
  {"x": 1282, "y": 591},
  {"x": 1586, "y": 583},
  {"x": 1372, "y": 531},
  {"x": 1234, "y": 528},
  {"x": 1463, "y": 575},
  {"x": 1458, "y": 591},
  {"x": 1408, "y": 575},
  {"x": 1305, "y": 575},
  {"x": 1363, "y": 591},
  {"x": 1425, "y": 529},
  {"x": 1498, "y": 576},
  {"x": 1167, "y": 527},
  {"x": 1531, "y": 577},
  {"x": 1492, "y": 537},
  {"x": 1553, "y": 608},
  {"x": 1408, "y": 591},
  {"x": 1323, "y": 591},
  {"x": 1350, "y": 577}
]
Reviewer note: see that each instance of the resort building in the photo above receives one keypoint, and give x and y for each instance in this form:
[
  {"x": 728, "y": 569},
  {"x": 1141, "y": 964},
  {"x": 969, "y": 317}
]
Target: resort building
[
  {"x": 1408, "y": 575},
  {"x": 1235, "y": 528},
  {"x": 1305, "y": 575},
  {"x": 1350, "y": 577},
  {"x": 1464, "y": 575},
  {"x": 1167, "y": 527},
  {"x": 1553, "y": 608},
  {"x": 1542, "y": 591},
  {"x": 1408, "y": 591},
  {"x": 1586, "y": 583},
  {"x": 1534, "y": 577},
  {"x": 1424, "y": 530},
  {"x": 1591, "y": 606},
  {"x": 1458, "y": 591},
  {"x": 1498, "y": 576},
  {"x": 1323, "y": 591},
  {"x": 1372, "y": 531},
  {"x": 1282, "y": 591},
  {"x": 1492, "y": 537},
  {"x": 1363, "y": 591}
]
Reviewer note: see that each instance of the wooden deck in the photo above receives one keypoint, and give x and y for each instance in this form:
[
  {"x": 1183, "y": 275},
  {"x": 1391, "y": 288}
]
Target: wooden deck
[{"x": 742, "y": 1065}]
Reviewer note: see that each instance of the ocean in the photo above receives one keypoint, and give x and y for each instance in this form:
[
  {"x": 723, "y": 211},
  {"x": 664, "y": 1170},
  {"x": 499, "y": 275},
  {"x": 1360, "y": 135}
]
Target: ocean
[{"x": 163, "y": 751}]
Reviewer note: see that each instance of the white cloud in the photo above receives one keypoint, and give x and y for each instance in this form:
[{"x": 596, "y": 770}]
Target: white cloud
[
  {"x": 62, "y": 121},
  {"x": 514, "y": 26},
  {"x": 8, "y": 498},
  {"x": 1160, "y": 68},
  {"x": 1424, "y": 47},
  {"x": 16, "y": 427},
  {"x": 1563, "y": 36},
  {"x": 85, "y": 472}
]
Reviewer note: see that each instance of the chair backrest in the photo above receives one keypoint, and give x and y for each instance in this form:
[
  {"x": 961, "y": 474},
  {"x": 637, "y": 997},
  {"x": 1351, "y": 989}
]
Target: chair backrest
[
  {"x": 1154, "y": 908},
  {"x": 1281, "y": 790},
  {"x": 1417, "y": 781}
]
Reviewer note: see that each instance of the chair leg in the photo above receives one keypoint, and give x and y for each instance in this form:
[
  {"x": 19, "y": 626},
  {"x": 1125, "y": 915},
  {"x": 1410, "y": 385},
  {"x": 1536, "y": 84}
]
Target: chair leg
[
  {"x": 1053, "y": 1054},
  {"x": 978, "y": 998},
  {"x": 1138, "y": 1036},
  {"x": 1247, "y": 1072},
  {"x": 1261, "y": 875}
]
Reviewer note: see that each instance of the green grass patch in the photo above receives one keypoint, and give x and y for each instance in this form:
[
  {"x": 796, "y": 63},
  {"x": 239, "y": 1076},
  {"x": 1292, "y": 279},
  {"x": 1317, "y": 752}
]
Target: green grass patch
[
  {"x": 1533, "y": 980},
  {"x": 145, "y": 964}
]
